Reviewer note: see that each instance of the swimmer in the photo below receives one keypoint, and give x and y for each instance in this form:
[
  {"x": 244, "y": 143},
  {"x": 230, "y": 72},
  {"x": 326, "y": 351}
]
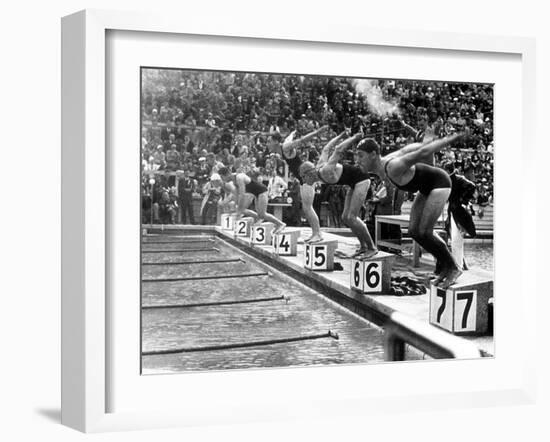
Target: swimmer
[
  {"x": 330, "y": 171},
  {"x": 406, "y": 170},
  {"x": 248, "y": 190},
  {"x": 287, "y": 148}
]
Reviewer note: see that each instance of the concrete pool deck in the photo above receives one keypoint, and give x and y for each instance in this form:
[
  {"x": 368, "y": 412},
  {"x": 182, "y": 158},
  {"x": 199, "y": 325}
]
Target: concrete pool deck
[{"x": 416, "y": 306}]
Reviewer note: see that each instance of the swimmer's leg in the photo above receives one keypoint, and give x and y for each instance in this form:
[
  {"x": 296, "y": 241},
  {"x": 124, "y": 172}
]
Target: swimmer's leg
[
  {"x": 354, "y": 201},
  {"x": 261, "y": 207},
  {"x": 424, "y": 214},
  {"x": 307, "y": 194}
]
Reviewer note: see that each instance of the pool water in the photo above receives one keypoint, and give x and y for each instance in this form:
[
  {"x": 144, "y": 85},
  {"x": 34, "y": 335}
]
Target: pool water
[
  {"x": 307, "y": 313},
  {"x": 479, "y": 255}
]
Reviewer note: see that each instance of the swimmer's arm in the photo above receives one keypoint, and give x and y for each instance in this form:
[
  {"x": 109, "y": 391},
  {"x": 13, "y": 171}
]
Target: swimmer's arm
[
  {"x": 339, "y": 150},
  {"x": 411, "y": 130},
  {"x": 421, "y": 152},
  {"x": 325, "y": 153},
  {"x": 289, "y": 147}
]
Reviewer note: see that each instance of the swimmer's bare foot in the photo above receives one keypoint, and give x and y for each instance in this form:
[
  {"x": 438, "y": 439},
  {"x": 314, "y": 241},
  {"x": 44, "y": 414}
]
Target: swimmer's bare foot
[
  {"x": 279, "y": 229},
  {"x": 365, "y": 253},
  {"x": 438, "y": 279},
  {"x": 313, "y": 239},
  {"x": 450, "y": 277}
]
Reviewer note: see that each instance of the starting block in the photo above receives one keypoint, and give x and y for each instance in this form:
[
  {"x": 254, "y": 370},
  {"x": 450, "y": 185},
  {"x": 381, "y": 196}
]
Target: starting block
[
  {"x": 286, "y": 242},
  {"x": 243, "y": 227},
  {"x": 319, "y": 256},
  {"x": 228, "y": 221},
  {"x": 372, "y": 275},
  {"x": 262, "y": 234},
  {"x": 464, "y": 307}
]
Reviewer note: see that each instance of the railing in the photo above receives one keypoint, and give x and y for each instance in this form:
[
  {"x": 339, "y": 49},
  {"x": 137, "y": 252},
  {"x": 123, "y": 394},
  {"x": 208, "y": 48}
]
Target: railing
[{"x": 401, "y": 330}]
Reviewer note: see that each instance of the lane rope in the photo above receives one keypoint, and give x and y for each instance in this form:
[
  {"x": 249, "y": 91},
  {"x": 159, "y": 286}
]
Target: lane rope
[
  {"x": 212, "y": 261},
  {"x": 210, "y": 304},
  {"x": 180, "y": 242},
  {"x": 329, "y": 334},
  {"x": 213, "y": 249},
  {"x": 196, "y": 278}
]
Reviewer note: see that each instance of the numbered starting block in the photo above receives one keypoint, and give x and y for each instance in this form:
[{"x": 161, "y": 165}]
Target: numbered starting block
[
  {"x": 286, "y": 243},
  {"x": 243, "y": 227},
  {"x": 228, "y": 221},
  {"x": 464, "y": 307},
  {"x": 262, "y": 234},
  {"x": 372, "y": 275},
  {"x": 319, "y": 256}
]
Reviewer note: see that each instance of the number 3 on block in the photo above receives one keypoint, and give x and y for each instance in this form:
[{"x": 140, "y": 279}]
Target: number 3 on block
[{"x": 259, "y": 235}]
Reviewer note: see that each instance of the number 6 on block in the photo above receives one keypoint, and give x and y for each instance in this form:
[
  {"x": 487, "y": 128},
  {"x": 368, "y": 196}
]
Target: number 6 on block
[
  {"x": 366, "y": 276},
  {"x": 372, "y": 276}
]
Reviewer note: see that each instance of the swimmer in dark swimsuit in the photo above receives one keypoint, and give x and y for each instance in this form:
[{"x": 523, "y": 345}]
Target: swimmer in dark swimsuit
[
  {"x": 330, "y": 171},
  {"x": 248, "y": 190},
  {"x": 289, "y": 152},
  {"x": 433, "y": 186}
]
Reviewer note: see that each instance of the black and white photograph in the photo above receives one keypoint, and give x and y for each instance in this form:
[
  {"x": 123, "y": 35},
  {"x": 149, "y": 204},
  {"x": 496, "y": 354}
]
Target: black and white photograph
[
  {"x": 290, "y": 219},
  {"x": 263, "y": 222}
]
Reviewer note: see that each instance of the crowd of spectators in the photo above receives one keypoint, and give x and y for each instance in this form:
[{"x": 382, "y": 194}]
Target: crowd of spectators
[{"x": 194, "y": 122}]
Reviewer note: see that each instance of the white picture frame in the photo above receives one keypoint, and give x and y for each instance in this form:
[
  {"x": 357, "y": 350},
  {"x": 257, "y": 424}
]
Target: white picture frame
[{"x": 85, "y": 218}]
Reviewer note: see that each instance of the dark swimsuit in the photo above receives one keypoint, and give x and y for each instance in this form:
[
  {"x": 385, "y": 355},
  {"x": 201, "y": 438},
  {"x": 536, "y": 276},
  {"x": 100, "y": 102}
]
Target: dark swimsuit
[
  {"x": 425, "y": 179},
  {"x": 255, "y": 188},
  {"x": 351, "y": 175},
  {"x": 294, "y": 165}
]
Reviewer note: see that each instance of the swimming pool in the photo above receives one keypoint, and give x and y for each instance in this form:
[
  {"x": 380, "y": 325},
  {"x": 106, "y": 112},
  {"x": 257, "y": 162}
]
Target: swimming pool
[{"x": 233, "y": 312}]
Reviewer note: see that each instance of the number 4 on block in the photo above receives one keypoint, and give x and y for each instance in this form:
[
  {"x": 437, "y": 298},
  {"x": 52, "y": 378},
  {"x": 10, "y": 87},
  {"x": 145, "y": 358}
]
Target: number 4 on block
[{"x": 286, "y": 243}]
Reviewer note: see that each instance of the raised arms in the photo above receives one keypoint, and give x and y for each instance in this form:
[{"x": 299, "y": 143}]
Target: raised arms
[
  {"x": 414, "y": 153},
  {"x": 327, "y": 149},
  {"x": 411, "y": 130},
  {"x": 339, "y": 150},
  {"x": 290, "y": 145}
]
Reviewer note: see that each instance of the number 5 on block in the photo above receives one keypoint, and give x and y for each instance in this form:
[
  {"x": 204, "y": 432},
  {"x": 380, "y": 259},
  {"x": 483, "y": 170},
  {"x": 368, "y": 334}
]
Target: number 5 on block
[{"x": 320, "y": 256}]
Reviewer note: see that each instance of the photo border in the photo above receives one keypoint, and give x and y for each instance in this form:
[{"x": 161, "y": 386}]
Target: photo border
[{"x": 85, "y": 264}]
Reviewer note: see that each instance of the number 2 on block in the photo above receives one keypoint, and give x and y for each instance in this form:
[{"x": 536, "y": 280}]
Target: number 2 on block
[{"x": 242, "y": 228}]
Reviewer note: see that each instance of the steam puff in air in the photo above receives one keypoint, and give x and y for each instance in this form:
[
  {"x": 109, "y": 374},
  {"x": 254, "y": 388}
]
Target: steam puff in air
[{"x": 370, "y": 90}]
